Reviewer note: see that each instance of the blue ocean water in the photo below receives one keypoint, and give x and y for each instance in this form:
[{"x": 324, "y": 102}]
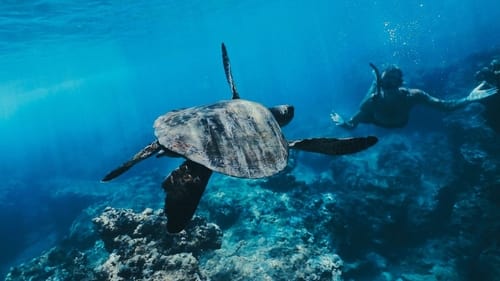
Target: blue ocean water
[{"x": 82, "y": 81}]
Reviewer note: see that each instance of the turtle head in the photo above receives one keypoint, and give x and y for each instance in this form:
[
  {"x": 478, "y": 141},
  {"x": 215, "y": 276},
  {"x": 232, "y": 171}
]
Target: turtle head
[{"x": 282, "y": 113}]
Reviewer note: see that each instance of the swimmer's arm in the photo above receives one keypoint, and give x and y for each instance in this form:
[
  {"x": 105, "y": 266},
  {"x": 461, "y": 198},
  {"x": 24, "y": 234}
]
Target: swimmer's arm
[
  {"x": 482, "y": 91},
  {"x": 362, "y": 116},
  {"x": 420, "y": 97}
]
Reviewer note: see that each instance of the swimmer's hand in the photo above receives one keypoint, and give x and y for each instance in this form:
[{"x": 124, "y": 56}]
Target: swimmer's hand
[
  {"x": 336, "y": 118},
  {"x": 479, "y": 94},
  {"x": 339, "y": 121}
]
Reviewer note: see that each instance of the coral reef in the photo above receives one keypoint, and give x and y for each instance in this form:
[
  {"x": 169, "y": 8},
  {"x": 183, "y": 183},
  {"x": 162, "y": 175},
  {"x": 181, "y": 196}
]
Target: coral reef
[
  {"x": 72, "y": 259},
  {"x": 141, "y": 248},
  {"x": 134, "y": 246},
  {"x": 150, "y": 266},
  {"x": 56, "y": 264}
]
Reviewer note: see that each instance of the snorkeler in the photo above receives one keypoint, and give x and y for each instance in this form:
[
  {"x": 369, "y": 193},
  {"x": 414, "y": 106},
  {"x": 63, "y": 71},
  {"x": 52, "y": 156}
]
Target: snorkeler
[{"x": 388, "y": 104}]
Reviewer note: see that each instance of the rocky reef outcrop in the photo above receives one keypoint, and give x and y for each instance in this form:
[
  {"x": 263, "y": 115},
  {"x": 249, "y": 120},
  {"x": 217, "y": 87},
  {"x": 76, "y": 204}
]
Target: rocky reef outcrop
[
  {"x": 141, "y": 248},
  {"x": 127, "y": 246}
]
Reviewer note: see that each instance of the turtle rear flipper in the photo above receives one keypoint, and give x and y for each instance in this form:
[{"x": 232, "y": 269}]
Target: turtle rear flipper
[
  {"x": 184, "y": 187},
  {"x": 145, "y": 153},
  {"x": 333, "y": 146}
]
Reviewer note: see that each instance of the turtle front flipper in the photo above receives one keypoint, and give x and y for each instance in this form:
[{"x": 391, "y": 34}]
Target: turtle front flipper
[
  {"x": 146, "y": 152},
  {"x": 229, "y": 73},
  {"x": 184, "y": 187},
  {"x": 333, "y": 146}
]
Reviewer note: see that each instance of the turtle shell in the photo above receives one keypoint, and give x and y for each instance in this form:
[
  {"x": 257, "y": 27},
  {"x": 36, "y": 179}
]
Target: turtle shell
[{"x": 239, "y": 138}]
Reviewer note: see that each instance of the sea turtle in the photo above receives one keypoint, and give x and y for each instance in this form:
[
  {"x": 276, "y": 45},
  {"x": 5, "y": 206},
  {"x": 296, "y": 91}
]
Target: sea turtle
[{"x": 235, "y": 137}]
